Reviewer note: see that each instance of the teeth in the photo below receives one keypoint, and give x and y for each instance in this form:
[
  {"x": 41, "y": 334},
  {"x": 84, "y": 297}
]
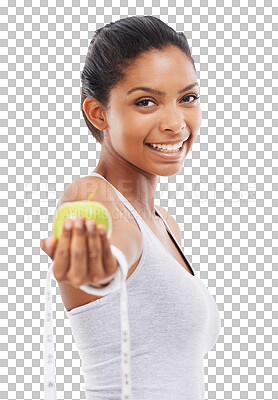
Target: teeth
[{"x": 167, "y": 146}]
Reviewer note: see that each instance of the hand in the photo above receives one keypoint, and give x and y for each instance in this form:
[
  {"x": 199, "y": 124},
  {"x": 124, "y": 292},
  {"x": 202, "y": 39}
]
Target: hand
[{"x": 81, "y": 255}]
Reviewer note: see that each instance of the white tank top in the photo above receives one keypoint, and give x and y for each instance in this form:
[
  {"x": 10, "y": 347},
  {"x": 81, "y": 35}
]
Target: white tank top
[{"x": 173, "y": 321}]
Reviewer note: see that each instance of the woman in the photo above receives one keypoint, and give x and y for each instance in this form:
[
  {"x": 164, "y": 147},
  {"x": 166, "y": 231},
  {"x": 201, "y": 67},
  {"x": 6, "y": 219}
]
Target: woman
[{"x": 140, "y": 101}]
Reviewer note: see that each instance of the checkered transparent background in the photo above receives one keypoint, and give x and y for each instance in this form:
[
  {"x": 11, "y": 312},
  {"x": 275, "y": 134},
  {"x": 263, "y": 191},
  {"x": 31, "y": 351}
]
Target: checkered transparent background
[{"x": 224, "y": 199}]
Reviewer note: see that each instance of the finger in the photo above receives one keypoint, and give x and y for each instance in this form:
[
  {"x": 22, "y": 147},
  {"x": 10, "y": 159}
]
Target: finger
[
  {"x": 78, "y": 253},
  {"x": 95, "y": 266},
  {"x": 43, "y": 247},
  {"x": 48, "y": 245},
  {"x": 109, "y": 261},
  {"x": 51, "y": 245},
  {"x": 62, "y": 252}
]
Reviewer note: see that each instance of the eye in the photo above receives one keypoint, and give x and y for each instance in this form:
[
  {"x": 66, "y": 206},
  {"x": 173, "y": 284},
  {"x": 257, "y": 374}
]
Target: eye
[
  {"x": 140, "y": 103},
  {"x": 191, "y": 95}
]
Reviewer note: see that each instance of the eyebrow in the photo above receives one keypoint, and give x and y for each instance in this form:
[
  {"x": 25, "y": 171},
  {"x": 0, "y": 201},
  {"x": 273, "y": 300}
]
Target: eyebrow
[{"x": 158, "y": 92}]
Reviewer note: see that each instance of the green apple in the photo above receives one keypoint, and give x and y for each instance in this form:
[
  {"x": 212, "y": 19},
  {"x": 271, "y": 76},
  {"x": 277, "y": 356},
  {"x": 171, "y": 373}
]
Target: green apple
[{"x": 86, "y": 208}]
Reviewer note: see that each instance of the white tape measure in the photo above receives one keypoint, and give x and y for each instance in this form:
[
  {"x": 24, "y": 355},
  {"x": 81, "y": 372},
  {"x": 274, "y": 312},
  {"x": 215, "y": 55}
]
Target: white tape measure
[{"x": 49, "y": 360}]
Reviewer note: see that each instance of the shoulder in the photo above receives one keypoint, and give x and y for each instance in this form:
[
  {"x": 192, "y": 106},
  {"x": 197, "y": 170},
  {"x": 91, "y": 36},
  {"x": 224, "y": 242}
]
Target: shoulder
[
  {"x": 171, "y": 222},
  {"x": 82, "y": 188},
  {"x": 97, "y": 189}
]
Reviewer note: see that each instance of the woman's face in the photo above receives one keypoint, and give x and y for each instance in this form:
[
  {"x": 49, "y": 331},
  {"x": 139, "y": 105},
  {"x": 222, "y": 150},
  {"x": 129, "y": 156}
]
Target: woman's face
[{"x": 136, "y": 117}]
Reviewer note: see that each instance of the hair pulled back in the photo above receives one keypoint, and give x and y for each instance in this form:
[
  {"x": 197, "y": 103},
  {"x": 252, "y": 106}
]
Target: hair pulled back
[{"x": 114, "y": 47}]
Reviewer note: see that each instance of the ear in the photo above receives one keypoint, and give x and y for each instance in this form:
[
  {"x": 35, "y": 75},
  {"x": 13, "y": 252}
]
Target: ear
[{"x": 95, "y": 113}]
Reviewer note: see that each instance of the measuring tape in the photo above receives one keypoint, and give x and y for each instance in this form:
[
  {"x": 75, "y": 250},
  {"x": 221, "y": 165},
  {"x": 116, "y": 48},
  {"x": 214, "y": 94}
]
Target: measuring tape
[{"x": 49, "y": 360}]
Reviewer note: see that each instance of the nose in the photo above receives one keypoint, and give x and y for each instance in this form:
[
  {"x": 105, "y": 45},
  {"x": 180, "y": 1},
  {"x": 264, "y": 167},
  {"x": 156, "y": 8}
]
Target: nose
[{"x": 173, "y": 120}]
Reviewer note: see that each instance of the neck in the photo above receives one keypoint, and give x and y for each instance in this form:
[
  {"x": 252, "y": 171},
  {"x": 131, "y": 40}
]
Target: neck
[{"x": 137, "y": 186}]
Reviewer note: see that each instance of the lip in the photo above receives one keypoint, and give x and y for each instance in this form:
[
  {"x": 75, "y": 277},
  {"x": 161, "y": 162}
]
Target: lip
[{"x": 169, "y": 156}]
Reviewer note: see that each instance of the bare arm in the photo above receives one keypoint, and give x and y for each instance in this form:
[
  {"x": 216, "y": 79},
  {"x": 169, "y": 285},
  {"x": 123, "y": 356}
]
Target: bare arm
[{"x": 124, "y": 235}]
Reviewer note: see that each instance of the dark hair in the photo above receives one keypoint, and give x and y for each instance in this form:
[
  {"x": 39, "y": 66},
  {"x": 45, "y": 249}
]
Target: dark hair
[{"x": 114, "y": 47}]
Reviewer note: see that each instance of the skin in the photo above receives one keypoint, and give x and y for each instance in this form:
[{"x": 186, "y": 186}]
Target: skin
[
  {"x": 127, "y": 127},
  {"x": 128, "y": 123}
]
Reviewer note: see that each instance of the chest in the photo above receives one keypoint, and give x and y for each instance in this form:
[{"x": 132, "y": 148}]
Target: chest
[{"x": 160, "y": 231}]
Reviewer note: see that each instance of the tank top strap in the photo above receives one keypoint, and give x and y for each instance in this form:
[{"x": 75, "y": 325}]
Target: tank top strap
[
  {"x": 126, "y": 203},
  {"x": 167, "y": 227}
]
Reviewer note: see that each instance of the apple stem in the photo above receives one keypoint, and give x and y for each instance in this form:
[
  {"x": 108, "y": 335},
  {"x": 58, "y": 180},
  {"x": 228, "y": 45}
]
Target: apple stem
[{"x": 91, "y": 195}]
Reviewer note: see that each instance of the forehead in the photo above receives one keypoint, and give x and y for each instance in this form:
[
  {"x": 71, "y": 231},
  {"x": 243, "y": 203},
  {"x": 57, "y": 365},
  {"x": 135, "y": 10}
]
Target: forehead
[{"x": 168, "y": 66}]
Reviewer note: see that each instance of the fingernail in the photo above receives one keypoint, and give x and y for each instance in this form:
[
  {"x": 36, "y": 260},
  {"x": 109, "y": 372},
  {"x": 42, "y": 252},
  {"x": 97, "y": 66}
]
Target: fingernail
[
  {"x": 102, "y": 231},
  {"x": 79, "y": 223},
  {"x": 91, "y": 227},
  {"x": 68, "y": 224}
]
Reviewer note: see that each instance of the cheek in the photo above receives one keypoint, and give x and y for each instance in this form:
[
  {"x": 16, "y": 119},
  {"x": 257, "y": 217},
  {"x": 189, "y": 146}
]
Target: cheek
[
  {"x": 200, "y": 117},
  {"x": 196, "y": 119},
  {"x": 131, "y": 125}
]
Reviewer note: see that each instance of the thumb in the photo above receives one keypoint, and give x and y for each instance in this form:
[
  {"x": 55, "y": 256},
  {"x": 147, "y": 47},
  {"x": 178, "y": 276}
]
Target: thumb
[{"x": 48, "y": 245}]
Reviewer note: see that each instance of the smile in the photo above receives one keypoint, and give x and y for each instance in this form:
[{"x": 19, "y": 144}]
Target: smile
[
  {"x": 167, "y": 148},
  {"x": 173, "y": 154}
]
